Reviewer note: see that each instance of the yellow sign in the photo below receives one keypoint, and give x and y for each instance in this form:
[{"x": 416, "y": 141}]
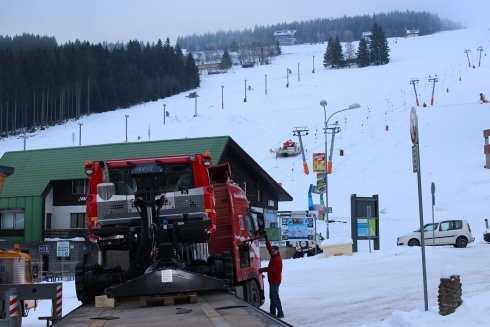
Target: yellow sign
[{"x": 319, "y": 162}]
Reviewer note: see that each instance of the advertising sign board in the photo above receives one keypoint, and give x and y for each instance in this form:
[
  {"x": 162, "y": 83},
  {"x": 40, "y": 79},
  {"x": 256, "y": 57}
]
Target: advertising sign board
[
  {"x": 297, "y": 228},
  {"x": 319, "y": 162}
]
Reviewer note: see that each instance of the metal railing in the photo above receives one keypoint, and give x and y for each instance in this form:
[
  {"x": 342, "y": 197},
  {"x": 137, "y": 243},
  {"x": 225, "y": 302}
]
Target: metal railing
[{"x": 66, "y": 233}]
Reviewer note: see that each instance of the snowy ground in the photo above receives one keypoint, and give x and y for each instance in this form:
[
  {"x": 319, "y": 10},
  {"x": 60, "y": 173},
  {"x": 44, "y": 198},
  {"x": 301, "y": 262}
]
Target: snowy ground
[{"x": 382, "y": 288}]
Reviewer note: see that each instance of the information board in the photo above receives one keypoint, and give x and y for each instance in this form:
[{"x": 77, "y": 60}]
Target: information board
[{"x": 63, "y": 249}]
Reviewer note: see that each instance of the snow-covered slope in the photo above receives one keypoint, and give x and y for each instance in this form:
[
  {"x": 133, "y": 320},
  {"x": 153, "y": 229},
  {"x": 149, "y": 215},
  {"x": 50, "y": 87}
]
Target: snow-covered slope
[{"x": 375, "y": 140}]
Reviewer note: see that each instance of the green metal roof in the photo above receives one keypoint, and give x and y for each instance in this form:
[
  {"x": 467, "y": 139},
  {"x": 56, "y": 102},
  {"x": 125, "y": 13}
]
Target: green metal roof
[{"x": 34, "y": 169}]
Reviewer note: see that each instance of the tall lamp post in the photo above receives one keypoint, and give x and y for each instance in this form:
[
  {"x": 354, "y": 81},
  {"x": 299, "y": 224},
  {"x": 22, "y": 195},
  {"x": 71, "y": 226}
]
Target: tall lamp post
[
  {"x": 80, "y": 134},
  {"x": 164, "y": 112},
  {"x": 126, "y": 127},
  {"x": 222, "y": 99},
  {"x": 265, "y": 84},
  {"x": 323, "y": 103},
  {"x": 245, "y": 98}
]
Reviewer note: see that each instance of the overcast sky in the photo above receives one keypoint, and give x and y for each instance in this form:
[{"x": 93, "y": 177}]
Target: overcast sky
[{"x": 149, "y": 20}]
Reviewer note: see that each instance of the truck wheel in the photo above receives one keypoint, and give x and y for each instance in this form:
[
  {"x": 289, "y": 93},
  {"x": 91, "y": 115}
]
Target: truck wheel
[
  {"x": 228, "y": 265},
  {"x": 79, "y": 282},
  {"x": 253, "y": 293},
  {"x": 84, "y": 282}
]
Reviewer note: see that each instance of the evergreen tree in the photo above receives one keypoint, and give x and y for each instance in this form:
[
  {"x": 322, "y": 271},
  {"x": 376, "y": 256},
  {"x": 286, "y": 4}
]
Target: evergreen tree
[
  {"x": 226, "y": 62},
  {"x": 43, "y": 84},
  {"x": 277, "y": 50},
  {"x": 234, "y": 46},
  {"x": 328, "y": 55},
  {"x": 338, "y": 55},
  {"x": 191, "y": 72},
  {"x": 378, "y": 47},
  {"x": 363, "y": 54},
  {"x": 333, "y": 56}
]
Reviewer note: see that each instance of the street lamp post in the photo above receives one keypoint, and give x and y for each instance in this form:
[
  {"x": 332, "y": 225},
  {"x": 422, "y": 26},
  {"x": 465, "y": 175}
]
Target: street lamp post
[
  {"x": 265, "y": 84},
  {"x": 25, "y": 139},
  {"x": 195, "y": 106},
  {"x": 80, "y": 134},
  {"x": 222, "y": 99},
  {"x": 313, "y": 71},
  {"x": 127, "y": 127},
  {"x": 245, "y": 99},
  {"x": 164, "y": 113},
  {"x": 323, "y": 103}
]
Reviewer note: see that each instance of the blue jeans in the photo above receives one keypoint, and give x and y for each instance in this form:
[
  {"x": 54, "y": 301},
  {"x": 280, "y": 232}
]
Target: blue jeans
[{"x": 275, "y": 300}]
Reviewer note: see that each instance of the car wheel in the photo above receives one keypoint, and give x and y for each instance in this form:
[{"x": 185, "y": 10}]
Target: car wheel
[
  {"x": 413, "y": 242},
  {"x": 461, "y": 242}
]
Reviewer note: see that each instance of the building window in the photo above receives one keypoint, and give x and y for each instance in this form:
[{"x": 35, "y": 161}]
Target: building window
[
  {"x": 78, "y": 220},
  {"x": 79, "y": 186},
  {"x": 12, "y": 220}
]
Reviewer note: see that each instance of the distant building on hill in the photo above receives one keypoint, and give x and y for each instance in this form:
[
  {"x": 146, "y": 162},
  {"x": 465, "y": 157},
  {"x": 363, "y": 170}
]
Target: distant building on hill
[
  {"x": 411, "y": 33},
  {"x": 285, "y": 37},
  {"x": 367, "y": 36}
]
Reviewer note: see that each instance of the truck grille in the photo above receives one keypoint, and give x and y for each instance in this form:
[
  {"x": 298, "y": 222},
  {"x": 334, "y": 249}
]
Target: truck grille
[
  {"x": 105, "y": 208},
  {"x": 121, "y": 205},
  {"x": 181, "y": 202}
]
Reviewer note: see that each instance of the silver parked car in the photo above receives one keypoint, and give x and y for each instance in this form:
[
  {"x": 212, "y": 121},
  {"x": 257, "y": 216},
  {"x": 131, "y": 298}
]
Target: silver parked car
[{"x": 447, "y": 232}]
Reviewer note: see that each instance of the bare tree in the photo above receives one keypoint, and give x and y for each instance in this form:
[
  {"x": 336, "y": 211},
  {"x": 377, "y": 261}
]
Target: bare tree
[{"x": 349, "y": 47}]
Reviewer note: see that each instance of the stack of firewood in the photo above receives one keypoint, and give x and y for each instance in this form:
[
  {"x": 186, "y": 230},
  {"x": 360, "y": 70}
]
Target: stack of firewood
[{"x": 449, "y": 295}]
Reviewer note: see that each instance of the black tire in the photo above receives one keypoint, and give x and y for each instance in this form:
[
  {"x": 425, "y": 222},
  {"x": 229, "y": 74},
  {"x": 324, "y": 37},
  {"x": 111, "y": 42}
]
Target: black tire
[
  {"x": 297, "y": 255},
  {"x": 253, "y": 293},
  {"x": 84, "y": 283},
  {"x": 461, "y": 242},
  {"x": 228, "y": 266},
  {"x": 80, "y": 283},
  {"x": 413, "y": 242}
]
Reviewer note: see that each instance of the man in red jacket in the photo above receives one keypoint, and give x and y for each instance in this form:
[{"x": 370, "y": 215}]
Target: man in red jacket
[{"x": 274, "y": 271}]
